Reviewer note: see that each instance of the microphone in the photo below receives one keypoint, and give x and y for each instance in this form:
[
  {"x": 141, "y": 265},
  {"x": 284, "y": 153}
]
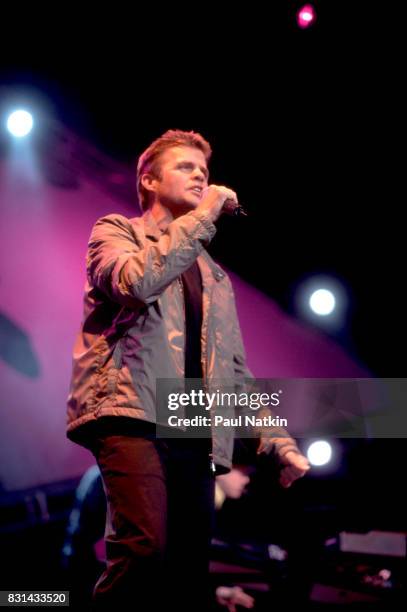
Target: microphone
[{"x": 232, "y": 208}]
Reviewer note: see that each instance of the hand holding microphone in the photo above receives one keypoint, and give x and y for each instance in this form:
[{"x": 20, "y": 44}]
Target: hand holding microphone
[{"x": 217, "y": 199}]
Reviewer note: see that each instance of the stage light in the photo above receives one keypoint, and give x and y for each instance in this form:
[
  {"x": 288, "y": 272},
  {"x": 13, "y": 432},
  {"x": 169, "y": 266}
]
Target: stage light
[
  {"x": 20, "y": 123},
  {"x": 319, "y": 453},
  {"x": 322, "y": 302},
  {"x": 306, "y": 16}
]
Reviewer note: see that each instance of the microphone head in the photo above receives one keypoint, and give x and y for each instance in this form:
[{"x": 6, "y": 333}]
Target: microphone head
[{"x": 230, "y": 207}]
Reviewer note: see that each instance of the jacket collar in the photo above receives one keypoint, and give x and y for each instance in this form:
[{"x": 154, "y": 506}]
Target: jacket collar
[{"x": 153, "y": 227}]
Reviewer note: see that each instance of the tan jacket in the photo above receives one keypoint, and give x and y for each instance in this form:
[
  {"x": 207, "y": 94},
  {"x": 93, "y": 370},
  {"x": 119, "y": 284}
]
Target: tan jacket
[{"x": 133, "y": 328}]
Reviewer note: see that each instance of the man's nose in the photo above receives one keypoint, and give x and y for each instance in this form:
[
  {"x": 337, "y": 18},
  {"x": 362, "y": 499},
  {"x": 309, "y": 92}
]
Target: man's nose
[{"x": 197, "y": 174}]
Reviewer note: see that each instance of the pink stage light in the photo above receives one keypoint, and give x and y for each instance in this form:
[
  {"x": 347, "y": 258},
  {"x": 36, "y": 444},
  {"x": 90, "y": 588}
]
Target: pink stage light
[{"x": 306, "y": 16}]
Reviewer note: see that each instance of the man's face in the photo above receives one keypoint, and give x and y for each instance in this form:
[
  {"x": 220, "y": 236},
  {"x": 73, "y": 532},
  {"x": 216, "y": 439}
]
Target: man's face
[{"x": 183, "y": 176}]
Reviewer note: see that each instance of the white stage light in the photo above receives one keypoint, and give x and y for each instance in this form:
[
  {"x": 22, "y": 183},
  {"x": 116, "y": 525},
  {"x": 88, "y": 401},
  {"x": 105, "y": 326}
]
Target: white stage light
[
  {"x": 20, "y": 123},
  {"x": 319, "y": 453},
  {"x": 322, "y": 302}
]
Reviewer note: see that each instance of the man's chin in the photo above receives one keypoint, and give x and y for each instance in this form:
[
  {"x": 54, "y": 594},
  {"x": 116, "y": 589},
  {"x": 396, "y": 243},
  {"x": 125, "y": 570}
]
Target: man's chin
[
  {"x": 193, "y": 201},
  {"x": 182, "y": 207},
  {"x": 188, "y": 205}
]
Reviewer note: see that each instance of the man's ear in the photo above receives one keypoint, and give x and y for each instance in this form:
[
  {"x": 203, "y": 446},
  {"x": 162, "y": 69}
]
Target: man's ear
[{"x": 149, "y": 182}]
